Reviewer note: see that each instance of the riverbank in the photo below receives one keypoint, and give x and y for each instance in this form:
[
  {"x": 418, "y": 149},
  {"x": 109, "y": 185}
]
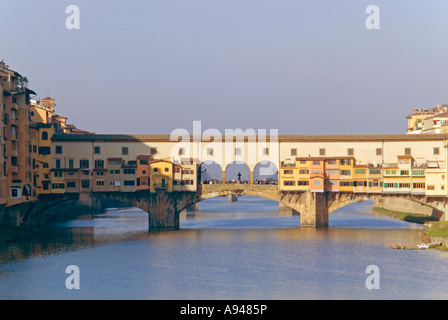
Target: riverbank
[{"x": 437, "y": 231}]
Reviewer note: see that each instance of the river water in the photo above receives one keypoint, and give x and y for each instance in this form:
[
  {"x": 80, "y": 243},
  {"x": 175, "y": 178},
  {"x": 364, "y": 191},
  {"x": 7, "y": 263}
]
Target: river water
[{"x": 241, "y": 250}]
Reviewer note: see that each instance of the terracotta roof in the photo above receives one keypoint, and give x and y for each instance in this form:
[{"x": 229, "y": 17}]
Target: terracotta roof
[{"x": 279, "y": 138}]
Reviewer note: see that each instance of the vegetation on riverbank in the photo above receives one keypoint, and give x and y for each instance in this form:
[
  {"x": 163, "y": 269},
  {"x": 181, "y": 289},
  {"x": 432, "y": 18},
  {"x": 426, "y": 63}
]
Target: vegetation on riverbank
[
  {"x": 406, "y": 216},
  {"x": 436, "y": 231}
]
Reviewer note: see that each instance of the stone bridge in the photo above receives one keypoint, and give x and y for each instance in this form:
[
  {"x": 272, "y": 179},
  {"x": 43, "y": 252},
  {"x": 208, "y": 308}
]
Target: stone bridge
[{"x": 164, "y": 207}]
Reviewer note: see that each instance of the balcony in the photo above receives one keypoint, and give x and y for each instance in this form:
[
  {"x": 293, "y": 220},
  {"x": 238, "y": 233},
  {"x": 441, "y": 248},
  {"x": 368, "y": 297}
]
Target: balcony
[
  {"x": 283, "y": 164},
  {"x": 390, "y": 165}
]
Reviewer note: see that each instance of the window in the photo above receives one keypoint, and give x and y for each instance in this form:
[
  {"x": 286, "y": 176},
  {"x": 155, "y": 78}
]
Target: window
[
  {"x": 99, "y": 164},
  {"x": 436, "y": 151},
  {"x": 71, "y": 184},
  {"x": 418, "y": 172},
  {"x": 404, "y": 172},
  {"x": 346, "y": 172},
  {"x": 57, "y": 174},
  {"x": 44, "y": 135},
  {"x": 332, "y": 161},
  {"x": 407, "y": 151},
  {"x": 332, "y": 172},
  {"x": 304, "y": 171},
  {"x": 316, "y": 163},
  {"x": 100, "y": 173},
  {"x": 237, "y": 151},
  {"x": 100, "y": 182},
  {"x": 316, "y": 182},
  {"x": 167, "y": 169},
  {"x": 287, "y": 171},
  {"x": 375, "y": 171},
  {"x": 124, "y": 150},
  {"x": 360, "y": 171},
  {"x": 418, "y": 185},
  {"x": 129, "y": 182},
  {"x": 15, "y": 192},
  {"x": 58, "y": 163},
  {"x": 404, "y": 185},
  {"x": 58, "y": 150},
  {"x": 379, "y": 151},
  {"x": 265, "y": 151},
  {"x": 350, "y": 151},
  {"x": 303, "y": 183},
  {"x": 332, "y": 182},
  {"x": 322, "y": 152},
  {"x": 294, "y": 151},
  {"x": 44, "y": 150},
  {"x": 289, "y": 183},
  {"x": 210, "y": 151},
  {"x": 97, "y": 150},
  {"x": 84, "y": 164},
  {"x": 85, "y": 183},
  {"x": 129, "y": 171},
  {"x": 181, "y": 151},
  {"x": 430, "y": 187},
  {"x": 156, "y": 169},
  {"x": 70, "y": 163}
]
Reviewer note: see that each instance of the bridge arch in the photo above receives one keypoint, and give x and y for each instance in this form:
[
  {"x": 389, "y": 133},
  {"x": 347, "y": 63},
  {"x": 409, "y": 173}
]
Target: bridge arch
[
  {"x": 211, "y": 171},
  {"x": 238, "y": 170},
  {"x": 265, "y": 171},
  {"x": 435, "y": 208}
]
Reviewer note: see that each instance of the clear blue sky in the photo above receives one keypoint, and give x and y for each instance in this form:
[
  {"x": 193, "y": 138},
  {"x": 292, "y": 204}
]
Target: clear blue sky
[{"x": 299, "y": 66}]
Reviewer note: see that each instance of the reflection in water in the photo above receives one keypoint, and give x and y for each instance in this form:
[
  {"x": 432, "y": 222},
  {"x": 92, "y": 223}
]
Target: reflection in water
[{"x": 242, "y": 250}]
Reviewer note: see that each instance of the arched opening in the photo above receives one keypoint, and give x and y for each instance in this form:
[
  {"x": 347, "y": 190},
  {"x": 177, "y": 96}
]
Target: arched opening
[
  {"x": 211, "y": 172},
  {"x": 237, "y": 172},
  {"x": 266, "y": 172}
]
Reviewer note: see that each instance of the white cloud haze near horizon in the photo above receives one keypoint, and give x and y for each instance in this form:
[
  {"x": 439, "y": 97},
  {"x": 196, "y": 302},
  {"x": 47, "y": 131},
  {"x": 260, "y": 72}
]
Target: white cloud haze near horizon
[{"x": 303, "y": 67}]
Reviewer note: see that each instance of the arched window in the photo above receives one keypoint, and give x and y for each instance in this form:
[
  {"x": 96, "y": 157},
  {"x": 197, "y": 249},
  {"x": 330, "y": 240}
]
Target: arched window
[{"x": 44, "y": 135}]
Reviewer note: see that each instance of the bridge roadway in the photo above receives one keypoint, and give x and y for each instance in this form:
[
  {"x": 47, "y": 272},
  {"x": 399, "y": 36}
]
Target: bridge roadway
[{"x": 163, "y": 207}]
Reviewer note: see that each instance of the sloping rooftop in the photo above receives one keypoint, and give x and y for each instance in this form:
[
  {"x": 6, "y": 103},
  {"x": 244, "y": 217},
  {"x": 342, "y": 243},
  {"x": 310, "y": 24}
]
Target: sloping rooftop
[{"x": 279, "y": 138}]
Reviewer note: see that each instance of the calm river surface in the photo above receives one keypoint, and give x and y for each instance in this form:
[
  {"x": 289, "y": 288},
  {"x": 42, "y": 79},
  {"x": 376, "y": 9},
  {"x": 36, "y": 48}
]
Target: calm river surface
[{"x": 240, "y": 250}]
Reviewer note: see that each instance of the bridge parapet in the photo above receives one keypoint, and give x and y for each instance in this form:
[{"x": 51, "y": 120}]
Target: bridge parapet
[{"x": 207, "y": 191}]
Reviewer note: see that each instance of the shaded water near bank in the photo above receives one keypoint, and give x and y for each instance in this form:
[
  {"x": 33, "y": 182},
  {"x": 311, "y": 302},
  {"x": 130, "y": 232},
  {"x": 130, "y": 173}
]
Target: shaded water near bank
[{"x": 240, "y": 250}]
